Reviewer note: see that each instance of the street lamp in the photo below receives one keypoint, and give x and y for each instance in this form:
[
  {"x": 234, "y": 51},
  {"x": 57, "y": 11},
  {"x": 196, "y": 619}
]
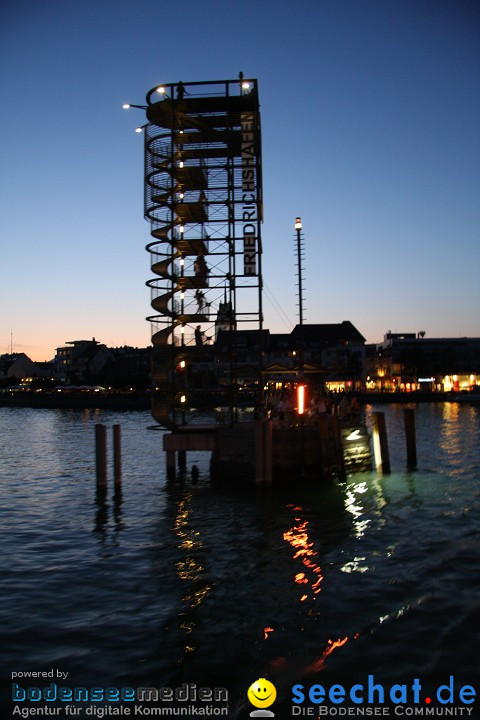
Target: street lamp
[
  {"x": 127, "y": 106},
  {"x": 298, "y": 228}
]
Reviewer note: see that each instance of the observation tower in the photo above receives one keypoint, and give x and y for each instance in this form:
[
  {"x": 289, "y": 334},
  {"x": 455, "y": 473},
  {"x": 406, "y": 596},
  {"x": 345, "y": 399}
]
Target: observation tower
[{"x": 203, "y": 199}]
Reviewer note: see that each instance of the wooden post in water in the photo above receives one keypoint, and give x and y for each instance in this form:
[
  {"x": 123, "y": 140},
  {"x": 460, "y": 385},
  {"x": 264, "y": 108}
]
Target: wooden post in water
[
  {"x": 117, "y": 455},
  {"x": 182, "y": 459},
  {"x": 339, "y": 459},
  {"x": 325, "y": 451},
  {"x": 268, "y": 429},
  {"x": 260, "y": 453},
  {"x": 170, "y": 457},
  {"x": 380, "y": 443},
  {"x": 409, "y": 419},
  {"x": 101, "y": 456}
]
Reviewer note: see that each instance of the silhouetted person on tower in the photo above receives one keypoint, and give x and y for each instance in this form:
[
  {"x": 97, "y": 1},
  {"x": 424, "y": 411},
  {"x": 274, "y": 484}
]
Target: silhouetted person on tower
[
  {"x": 201, "y": 268},
  {"x": 198, "y": 337},
  {"x": 200, "y": 298}
]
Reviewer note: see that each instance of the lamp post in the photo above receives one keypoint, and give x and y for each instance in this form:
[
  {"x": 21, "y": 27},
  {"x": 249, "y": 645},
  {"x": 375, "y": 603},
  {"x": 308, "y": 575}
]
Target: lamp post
[
  {"x": 298, "y": 228},
  {"x": 300, "y": 375}
]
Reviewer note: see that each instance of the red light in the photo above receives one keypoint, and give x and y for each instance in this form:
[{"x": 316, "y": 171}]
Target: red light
[{"x": 301, "y": 399}]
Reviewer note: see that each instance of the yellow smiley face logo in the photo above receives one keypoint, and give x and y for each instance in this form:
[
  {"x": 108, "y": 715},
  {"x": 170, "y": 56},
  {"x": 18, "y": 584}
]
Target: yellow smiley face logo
[{"x": 262, "y": 693}]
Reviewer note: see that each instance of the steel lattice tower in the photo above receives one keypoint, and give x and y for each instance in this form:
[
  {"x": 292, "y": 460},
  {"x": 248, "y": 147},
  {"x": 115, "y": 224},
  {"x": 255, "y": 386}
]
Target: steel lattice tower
[{"x": 203, "y": 198}]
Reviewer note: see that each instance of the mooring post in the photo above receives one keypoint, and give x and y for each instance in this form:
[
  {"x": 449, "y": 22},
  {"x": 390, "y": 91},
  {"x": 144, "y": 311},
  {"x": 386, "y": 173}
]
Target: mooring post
[
  {"x": 101, "y": 456},
  {"x": 170, "y": 457},
  {"x": 380, "y": 443},
  {"x": 117, "y": 455},
  {"x": 339, "y": 459},
  {"x": 182, "y": 459},
  {"x": 260, "y": 453},
  {"x": 268, "y": 451},
  {"x": 323, "y": 435},
  {"x": 409, "y": 419}
]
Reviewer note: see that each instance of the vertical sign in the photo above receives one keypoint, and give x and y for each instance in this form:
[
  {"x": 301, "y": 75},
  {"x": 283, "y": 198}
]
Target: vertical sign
[{"x": 249, "y": 196}]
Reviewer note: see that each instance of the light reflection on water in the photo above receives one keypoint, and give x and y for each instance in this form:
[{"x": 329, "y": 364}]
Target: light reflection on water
[
  {"x": 310, "y": 576},
  {"x": 169, "y": 583}
]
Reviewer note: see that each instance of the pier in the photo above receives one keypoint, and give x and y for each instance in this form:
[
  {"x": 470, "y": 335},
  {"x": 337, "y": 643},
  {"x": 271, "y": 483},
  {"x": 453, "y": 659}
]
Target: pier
[
  {"x": 261, "y": 452},
  {"x": 258, "y": 452}
]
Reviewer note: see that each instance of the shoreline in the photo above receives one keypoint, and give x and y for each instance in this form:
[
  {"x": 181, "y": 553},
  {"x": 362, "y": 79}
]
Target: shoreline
[
  {"x": 76, "y": 401},
  {"x": 142, "y": 400}
]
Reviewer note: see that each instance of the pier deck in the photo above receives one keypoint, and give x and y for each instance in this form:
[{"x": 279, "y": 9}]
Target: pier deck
[{"x": 249, "y": 452}]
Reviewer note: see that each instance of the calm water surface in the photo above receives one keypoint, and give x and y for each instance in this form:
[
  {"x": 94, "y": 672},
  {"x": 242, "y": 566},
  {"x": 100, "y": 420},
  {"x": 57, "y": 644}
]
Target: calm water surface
[{"x": 174, "y": 583}]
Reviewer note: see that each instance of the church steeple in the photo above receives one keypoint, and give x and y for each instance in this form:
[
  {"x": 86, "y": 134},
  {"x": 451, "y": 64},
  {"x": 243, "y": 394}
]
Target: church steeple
[{"x": 224, "y": 319}]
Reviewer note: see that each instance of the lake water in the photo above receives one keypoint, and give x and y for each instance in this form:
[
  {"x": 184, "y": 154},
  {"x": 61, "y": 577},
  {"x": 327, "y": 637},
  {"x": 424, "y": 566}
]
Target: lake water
[{"x": 177, "y": 583}]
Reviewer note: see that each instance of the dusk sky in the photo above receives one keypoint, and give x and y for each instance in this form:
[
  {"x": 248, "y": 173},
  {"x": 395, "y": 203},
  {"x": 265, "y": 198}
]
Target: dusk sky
[{"x": 370, "y": 123}]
